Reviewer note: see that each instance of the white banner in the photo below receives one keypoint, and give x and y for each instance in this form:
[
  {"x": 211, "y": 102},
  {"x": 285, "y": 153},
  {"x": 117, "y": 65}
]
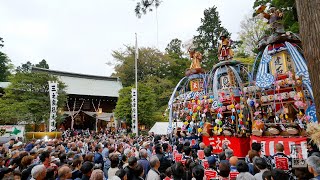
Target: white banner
[
  {"x": 134, "y": 110},
  {"x": 53, "y": 92}
]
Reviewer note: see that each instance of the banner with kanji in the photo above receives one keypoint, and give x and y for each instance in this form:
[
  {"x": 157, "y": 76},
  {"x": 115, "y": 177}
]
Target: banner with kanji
[
  {"x": 290, "y": 143},
  {"x": 240, "y": 146},
  {"x": 53, "y": 92}
]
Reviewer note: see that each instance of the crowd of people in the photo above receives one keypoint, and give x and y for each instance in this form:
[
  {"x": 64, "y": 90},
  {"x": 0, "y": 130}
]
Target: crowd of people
[{"x": 99, "y": 156}]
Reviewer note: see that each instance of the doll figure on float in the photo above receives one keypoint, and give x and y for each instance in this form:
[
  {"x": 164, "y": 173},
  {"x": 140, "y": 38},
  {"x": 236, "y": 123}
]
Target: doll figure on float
[
  {"x": 196, "y": 58},
  {"x": 225, "y": 52}
]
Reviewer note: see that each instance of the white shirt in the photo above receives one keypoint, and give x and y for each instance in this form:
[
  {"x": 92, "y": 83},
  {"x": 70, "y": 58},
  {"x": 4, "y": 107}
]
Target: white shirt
[{"x": 112, "y": 172}]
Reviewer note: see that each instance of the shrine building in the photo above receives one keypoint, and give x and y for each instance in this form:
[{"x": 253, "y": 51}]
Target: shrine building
[{"x": 91, "y": 100}]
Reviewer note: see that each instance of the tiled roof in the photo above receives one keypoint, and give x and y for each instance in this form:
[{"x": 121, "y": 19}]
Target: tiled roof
[{"x": 91, "y": 85}]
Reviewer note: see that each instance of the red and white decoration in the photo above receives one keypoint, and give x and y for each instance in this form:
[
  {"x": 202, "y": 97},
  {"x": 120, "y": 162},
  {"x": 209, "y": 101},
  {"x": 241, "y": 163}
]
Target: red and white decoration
[
  {"x": 268, "y": 145},
  {"x": 240, "y": 146}
]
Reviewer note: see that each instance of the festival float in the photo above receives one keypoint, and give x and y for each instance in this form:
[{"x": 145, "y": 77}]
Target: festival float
[{"x": 231, "y": 105}]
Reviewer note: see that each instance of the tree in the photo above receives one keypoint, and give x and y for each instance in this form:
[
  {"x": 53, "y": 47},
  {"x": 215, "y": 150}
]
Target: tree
[
  {"x": 24, "y": 68},
  {"x": 5, "y": 65},
  {"x": 27, "y": 98},
  {"x": 309, "y": 13},
  {"x": 43, "y": 64},
  {"x": 178, "y": 63},
  {"x": 252, "y": 31},
  {"x": 144, "y": 6},
  {"x": 151, "y": 62},
  {"x": 146, "y": 105},
  {"x": 207, "y": 41},
  {"x": 174, "y": 48},
  {"x": 290, "y": 18}
]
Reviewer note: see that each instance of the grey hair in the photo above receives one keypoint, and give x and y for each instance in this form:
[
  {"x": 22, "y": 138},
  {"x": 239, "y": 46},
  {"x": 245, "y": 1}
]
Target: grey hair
[
  {"x": 228, "y": 153},
  {"x": 153, "y": 161},
  {"x": 314, "y": 162},
  {"x": 143, "y": 153},
  {"x": 37, "y": 170}
]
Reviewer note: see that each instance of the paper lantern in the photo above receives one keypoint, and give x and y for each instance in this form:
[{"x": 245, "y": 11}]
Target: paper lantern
[
  {"x": 215, "y": 128},
  {"x": 233, "y": 117},
  {"x": 198, "y": 108},
  {"x": 199, "y": 130}
]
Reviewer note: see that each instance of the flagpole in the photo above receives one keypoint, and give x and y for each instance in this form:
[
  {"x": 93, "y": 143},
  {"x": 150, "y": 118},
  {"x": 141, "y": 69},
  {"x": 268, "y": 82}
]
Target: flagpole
[{"x": 136, "y": 83}]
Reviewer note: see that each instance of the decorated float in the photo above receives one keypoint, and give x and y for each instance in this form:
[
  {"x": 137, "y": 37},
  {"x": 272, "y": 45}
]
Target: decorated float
[{"x": 234, "y": 106}]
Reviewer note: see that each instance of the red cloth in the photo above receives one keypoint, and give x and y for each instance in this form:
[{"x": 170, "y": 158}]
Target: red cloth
[{"x": 240, "y": 146}]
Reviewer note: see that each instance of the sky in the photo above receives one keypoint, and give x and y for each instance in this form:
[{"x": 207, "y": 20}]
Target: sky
[{"x": 80, "y": 35}]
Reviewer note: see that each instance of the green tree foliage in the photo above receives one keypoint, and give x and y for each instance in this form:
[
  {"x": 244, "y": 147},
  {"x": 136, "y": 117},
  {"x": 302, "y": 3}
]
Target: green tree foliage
[
  {"x": 146, "y": 105},
  {"x": 207, "y": 41},
  {"x": 178, "y": 63},
  {"x": 5, "y": 65},
  {"x": 24, "y": 68},
  {"x": 143, "y": 6},
  {"x": 174, "y": 48},
  {"x": 43, "y": 64},
  {"x": 290, "y": 18},
  {"x": 27, "y": 98},
  {"x": 151, "y": 62}
]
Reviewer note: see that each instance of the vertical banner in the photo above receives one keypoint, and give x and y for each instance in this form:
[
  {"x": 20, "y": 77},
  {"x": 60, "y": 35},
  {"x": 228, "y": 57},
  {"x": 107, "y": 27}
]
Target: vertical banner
[
  {"x": 134, "y": 109},
  {"x": 53, "y": 92}
]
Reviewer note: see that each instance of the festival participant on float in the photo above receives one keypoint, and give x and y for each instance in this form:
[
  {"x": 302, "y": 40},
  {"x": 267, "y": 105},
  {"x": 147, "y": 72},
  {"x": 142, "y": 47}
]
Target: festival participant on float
[{"x": 301, "y": 120}]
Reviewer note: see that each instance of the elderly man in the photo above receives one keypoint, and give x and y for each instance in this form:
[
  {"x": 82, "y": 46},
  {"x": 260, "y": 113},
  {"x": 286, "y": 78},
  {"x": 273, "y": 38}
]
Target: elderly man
[
  {"x": 233, "y": 163},
  {"x": 64, "y": 173},
  {"x": 279, "y": 153},
  {"x": 144, "y": 162},
  {"x": 154, "y": 174},
  {"x": 38, "y": 172},
  {"x": 314, "y": 166}
]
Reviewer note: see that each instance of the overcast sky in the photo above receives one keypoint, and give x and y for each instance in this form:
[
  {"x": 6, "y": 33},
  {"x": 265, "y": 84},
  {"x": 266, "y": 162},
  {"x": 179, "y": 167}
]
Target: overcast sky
[{"x": 79, "y": 35}]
